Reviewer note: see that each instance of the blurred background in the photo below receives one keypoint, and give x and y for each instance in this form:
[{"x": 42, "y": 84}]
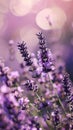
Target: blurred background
[{"x": 22, "y": 19}]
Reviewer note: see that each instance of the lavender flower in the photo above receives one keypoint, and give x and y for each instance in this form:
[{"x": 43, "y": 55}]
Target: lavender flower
[
  {"x": 31, "y": 86},
  {"x": 23, "y": 50},
  {"x": 45, "y": 56},
  {"x": 68, "y": 91},
  {"x": 55, "y": 117},
  {"x": 67, "y": 84},
  {"x": 35, "y": 99}
]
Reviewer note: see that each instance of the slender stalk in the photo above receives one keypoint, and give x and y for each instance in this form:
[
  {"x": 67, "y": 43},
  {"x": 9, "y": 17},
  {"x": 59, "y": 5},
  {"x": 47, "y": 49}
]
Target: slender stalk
[
  {"x": 38, "y": 96},
  {"x": 58, "y": 98},
  {"x": 61, "y": 104},
  {"x": 32, "y": 105}
]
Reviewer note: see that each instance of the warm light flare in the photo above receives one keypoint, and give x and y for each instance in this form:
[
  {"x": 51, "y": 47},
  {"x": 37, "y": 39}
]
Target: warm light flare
[
  {"x": 21, "y": 7},
  {"x": 51, "y": 18}
]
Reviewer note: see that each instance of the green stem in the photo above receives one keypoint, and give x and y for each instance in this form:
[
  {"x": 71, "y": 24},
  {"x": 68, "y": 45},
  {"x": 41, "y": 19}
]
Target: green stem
[
  {"x": 38, "y": 97},
  {"x": 32, "y": 105},
  {"x": 61, "y": 104},
  {"x": 58, "y": 98}
]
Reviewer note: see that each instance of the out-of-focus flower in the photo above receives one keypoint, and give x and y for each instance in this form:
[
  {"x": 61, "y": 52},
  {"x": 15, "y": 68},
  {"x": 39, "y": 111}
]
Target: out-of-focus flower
[{"x": 36, "y": 98}]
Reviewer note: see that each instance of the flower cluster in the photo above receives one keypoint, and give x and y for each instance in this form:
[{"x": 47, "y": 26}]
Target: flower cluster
[
  {"x": 23, "y": 49},
  {"x": 68, "y": 92},
  {"x": 7, "y": 76},
  {"x": 45, "y": 56},
  {"x": 35, "y": 99}
]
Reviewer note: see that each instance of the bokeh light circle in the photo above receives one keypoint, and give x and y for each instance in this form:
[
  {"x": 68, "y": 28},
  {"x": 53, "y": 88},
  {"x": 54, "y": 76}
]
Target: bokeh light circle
[
  {"x": 51, "y": 18},
  {"x": 20, "y": 7}
]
